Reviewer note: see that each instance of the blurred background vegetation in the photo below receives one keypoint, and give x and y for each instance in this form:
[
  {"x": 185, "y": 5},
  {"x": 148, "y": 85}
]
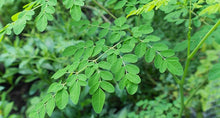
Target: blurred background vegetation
[{"x": 28, "y": 61}]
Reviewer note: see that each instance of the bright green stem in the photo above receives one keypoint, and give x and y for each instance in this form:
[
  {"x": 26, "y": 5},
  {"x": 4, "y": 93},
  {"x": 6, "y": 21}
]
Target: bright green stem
[
  {"x": 204, "y": 39},
  {"x": 187, "y": 66},
  {"x": 106, "y": 10}
]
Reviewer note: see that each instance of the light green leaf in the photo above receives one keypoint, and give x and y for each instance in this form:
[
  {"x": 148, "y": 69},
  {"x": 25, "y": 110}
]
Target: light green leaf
[
  {"x": 50, "y": 106},
  {"x": 94, "y": 79},
  {"x": 140, "y": 49},
  {"x": 106, "y": 75},
  {"x": 79, "y": 2},
  {"x": 69, "y": 51},
  {"x": 96, "y": 50},
  {"x": 75, "y": 92},
  {"x": 152, "y": 38},
  {"x": 89, "y": 71},
  {"x": 62, "y": 98},
  {"x": 68, "y": 3},
  {"x": 160, "y": 46},
  {"x": 76, "y": 12},
  {"x": 107, "y": 86},
  {"x": 174, "y": 66},
  {"x": 157, "y": 61},
  {"x": 7, "y": 109},
  {"x": 132, "y": 88},
  {"x": 130, "y": 58},
  {"x": 167, "y": 53},
  {"x": 131, "y": 68},
  {"x": 133, "y": 78},
  {"x": 120, "y": 21},
  {"x": 163, "y": 66},
  {"x": 115, "y": 37},
  {"x": 59, "y": 73},
  {"x": 42, "y": 112},
  {"x": 123, "y": 83},
  {"x": 94, "y": 88},
  {"x": 104, "y": 65},
  {"x": 149, "y": 55},
  {"x": 98, "y": 100},
  {"x": 41, "y": 22},
  {"x": 52, "y": 2},
  {"x": 120, "y": 4},
  {"x": 214, "y": 73},
  {"x": 18, "y": 26},
  {"x": 55, "y": 87},
  {"x": 120, "y": 74},
  {"x": 50, "y": 9},
  {"x": 116, "y": 66}
]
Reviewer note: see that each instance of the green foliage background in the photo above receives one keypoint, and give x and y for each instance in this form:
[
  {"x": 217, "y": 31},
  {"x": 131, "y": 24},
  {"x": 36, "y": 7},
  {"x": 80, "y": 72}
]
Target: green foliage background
[{"x": 65, "y": 58}]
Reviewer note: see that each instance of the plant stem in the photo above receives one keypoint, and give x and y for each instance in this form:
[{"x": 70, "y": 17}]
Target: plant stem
[
  {"x": 187, "y": 65},
  {"x": 106, "y": 10},
  {"x": 204, "y": 39}
]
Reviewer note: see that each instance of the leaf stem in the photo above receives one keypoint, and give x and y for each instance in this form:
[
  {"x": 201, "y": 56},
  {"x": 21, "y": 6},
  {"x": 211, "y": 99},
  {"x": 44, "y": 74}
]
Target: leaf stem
[{"x": 106, "y": 10}]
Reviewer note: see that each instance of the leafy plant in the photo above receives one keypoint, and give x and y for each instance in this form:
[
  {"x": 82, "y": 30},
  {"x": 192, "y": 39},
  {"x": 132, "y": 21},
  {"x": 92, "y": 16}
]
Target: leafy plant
[{"x": 107, "y": 56}]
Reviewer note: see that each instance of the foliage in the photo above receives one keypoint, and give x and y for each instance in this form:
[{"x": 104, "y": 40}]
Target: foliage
[{"x": 89, "y": 51}]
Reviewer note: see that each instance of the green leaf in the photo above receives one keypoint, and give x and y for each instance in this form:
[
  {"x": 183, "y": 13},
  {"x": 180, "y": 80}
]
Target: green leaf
[
  {"x": 163, "y": 66},
  {"x": 42, "y": 112},
  {"x": 62, "y": 98},
  {"x": 115, "y": 37},
  {"x": 167, "y": 53},
  {"x": 50, "y": 106},
  {"x": 68, "y": 3},
  {"x": 133, "y": 78},
  {"x": 75, "y": 92},
  {"x": 120, "y": 74},
  {"x": 41, "y": 22},
  {"x": 69, "y": 51},
  {"x": 160, "y": 46},
  {"x": 18, "y": 26},
  {"x": 88, "y": 52},
  {"x": 123, "y": 83},
  {"x": 120, "y": 4},
  {"x": 151, "y": 38},
  {"x": 50, "y": 9},
  {"x": 94, "y": 79},
  {"x": 140, "y": 49},
  {"x": 132, "y": 88},
  {"x": 116, "y": 66},
  {"x": 98, "y": 100},
  {"x": 96, "y": 50},
  {"x": 89, "y": 71},
  {"x": 157, "y": 61},
  {"x": 104, "y": 65},
  {"x": 7, "y": 109},
  {"x": 52, "y": 2},
  {"x": 214, "y": 72},
  {"x": 106, "y": 75},
  {"x": 120, "y": 21},
  {"x": 174, "y": 66},
  {"x": 76, "y": 12},
  {"x": 55, "y": 87},
  {"x": 79, "y": 2},
  {"x": 94, "y": 88},
  {"x": 131, "y": 68},
  {"x": 130, "y": 58},
  {"x": 107, "y": 86},
  {"x": 149, "y": 55},
  {"x": 59, "y": 73}
]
